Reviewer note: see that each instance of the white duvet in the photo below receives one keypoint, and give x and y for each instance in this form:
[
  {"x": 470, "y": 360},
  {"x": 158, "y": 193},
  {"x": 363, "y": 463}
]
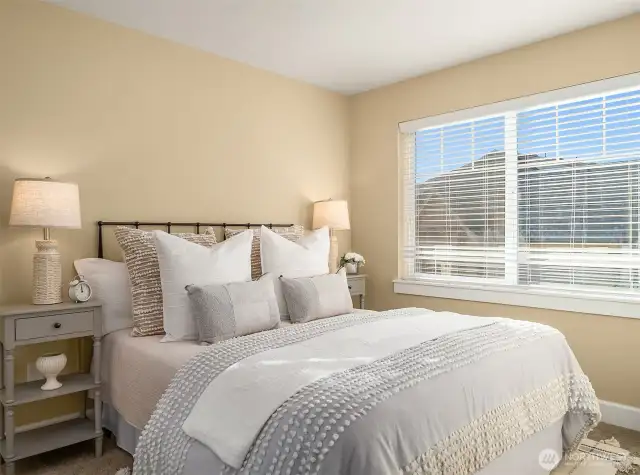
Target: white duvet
[{"x": 235, "y": 406}]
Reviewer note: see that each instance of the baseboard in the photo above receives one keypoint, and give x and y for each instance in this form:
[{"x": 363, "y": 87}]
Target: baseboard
[
  {"x": 49, "y": 422},
  {"x": 620, "y": 415}
]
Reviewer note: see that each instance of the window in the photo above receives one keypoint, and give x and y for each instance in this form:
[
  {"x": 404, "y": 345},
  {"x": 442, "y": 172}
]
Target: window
[{"x": 532, "y": 194}]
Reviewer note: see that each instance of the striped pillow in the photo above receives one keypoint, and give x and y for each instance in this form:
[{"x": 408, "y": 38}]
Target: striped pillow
[
  {"x": 141, "y": 257},
  {"x": 292, "y": 233}
]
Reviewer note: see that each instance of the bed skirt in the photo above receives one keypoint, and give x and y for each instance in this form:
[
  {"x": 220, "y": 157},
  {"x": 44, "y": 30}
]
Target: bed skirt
[
  {"x": 523, "y": 459},
  {"x": 126, "y": 435}
]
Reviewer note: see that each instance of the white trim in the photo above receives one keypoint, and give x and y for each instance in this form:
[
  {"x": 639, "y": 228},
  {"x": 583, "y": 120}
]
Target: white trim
[
  {"x": 49, "y": 422},
  {"x": 620, "y": 415},
  {"x": 569, "y": 301},
  {"x": 407, "y": 201},
  {"x": 557, "y": 95}
]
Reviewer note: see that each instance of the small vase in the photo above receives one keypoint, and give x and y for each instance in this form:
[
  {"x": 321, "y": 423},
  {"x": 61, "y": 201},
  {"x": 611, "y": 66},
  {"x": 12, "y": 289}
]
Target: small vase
[
  {"x": 351, "y": 268},
  {"x": 50, "y": 366}
]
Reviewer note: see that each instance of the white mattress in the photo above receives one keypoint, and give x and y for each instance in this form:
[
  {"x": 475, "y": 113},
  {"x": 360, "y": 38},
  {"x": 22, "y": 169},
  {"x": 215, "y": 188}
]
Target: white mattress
[{"x": 137, "y": 370}]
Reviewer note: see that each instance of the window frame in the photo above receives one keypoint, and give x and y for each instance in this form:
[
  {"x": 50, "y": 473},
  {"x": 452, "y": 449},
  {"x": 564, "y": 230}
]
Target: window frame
[{"x": 509, "y": 292}]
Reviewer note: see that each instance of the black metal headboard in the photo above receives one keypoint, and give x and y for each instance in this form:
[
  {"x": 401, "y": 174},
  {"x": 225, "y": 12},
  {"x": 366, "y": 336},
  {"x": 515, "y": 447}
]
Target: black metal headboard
[{"x": 169, "y": 224}]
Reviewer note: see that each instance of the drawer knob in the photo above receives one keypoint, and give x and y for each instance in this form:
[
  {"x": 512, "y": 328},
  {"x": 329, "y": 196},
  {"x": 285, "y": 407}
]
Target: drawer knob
[
  {"x": 57, "y": 325},
  {"x": 349, "y": 287}
]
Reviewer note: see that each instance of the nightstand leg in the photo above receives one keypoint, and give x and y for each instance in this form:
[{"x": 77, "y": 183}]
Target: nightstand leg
[
  {"x": 1, "y": 406},
  {"x": 8, "y": 374},
  {"x": 8, "y": 421},
  {"x": 362, "y": 301},
  {"x": 97, "y": 414},
  {"x": 97, "y": 396},
  {"x": 8, "y": 411},
  {"x": 10, "y": 468},
  {"x": 98, "y": 443}
]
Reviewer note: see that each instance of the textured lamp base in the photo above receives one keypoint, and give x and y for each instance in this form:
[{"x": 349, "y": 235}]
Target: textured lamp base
[
  {"x": 333, "y": 254},
  {"x": 47, "y": 273}
]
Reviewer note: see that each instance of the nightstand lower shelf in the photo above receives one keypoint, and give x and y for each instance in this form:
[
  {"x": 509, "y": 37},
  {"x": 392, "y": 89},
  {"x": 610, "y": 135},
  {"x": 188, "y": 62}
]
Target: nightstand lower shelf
[
  {"x": 49, "y": 438},
  {"x": 30, "y": 392}
]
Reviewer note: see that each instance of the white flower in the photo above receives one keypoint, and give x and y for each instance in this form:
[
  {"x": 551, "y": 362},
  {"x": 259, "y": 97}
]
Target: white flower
[{"x": 353, "y": 258}]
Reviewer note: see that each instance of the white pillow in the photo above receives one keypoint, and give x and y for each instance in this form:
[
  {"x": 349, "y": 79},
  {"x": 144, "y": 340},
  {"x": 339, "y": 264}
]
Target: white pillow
[
  {"x": 307, "y": 257},
  {"x": 110, "y": 284},
  {"x": 184, "y": 263}
]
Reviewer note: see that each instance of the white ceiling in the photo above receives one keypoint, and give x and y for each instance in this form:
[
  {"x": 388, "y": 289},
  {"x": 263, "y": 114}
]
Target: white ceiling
[{"x": 354, "y": 45}]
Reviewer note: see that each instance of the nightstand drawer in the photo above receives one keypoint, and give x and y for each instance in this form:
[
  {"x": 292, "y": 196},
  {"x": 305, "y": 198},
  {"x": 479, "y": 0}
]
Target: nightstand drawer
[
  {"x": 51, "y": 325},
  {"x": 356, "y": 285}
]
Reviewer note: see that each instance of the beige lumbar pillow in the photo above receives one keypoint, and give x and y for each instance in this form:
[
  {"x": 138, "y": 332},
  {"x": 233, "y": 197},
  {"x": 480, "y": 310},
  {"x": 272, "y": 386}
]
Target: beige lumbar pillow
[
  {"x": 230, "y": 310},
  {"x": 141, "y": 257},
  {"x": 311, "y": 298}
]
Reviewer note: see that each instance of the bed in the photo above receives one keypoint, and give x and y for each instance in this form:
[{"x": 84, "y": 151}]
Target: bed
[
  {"x": 404, "y": 391},
  {"x": 137, "y": 371}
]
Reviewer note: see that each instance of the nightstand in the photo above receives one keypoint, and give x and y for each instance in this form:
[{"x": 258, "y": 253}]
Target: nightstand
[
  {"x": 29, "y": 324},
  {"x": 356, "y": 286}
]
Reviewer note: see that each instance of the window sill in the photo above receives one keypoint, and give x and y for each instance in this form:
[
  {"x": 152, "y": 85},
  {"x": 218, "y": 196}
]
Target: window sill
[{"x": 610, "y": 305}]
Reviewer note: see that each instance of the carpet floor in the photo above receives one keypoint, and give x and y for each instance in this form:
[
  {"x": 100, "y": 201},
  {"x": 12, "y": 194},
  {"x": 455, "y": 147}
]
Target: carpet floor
[{"x": 79, "y": 459}]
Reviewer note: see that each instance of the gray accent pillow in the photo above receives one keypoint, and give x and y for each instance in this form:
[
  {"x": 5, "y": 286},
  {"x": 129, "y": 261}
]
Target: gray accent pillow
[
  {"x": 226, "y": 311},
  {"x": 321, "y": 296}
]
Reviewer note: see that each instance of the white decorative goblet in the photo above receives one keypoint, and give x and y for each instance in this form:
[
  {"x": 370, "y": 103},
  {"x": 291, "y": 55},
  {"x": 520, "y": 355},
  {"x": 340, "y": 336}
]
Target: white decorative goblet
[{"x": 50, "y": 366}]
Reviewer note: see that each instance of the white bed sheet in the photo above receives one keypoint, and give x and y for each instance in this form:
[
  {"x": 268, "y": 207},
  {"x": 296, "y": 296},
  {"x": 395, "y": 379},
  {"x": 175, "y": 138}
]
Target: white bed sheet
[{"x": 137, "y": 370}]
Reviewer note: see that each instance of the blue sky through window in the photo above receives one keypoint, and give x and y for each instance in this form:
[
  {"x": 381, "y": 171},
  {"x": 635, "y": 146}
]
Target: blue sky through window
[
  {"x": 443, "y": 149},
  {"x": 607, "y": 126},
  {"x": 603, "y": 126}
]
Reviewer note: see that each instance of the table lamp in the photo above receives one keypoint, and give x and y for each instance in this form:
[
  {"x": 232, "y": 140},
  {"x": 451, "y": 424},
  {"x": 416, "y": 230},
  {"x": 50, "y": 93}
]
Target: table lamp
[
  {"x": 335, "y": 215},
  {"x": 45, "y": 203}
]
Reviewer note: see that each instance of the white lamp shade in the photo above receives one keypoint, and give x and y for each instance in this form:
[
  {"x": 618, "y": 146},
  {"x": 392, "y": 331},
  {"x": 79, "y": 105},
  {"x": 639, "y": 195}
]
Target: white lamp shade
[
  {"x": 45, "y": 203},
  {"x": 330, "y": 213}
]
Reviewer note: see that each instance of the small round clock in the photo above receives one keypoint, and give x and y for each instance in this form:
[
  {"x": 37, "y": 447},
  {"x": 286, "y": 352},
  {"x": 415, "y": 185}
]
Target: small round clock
[{"x": 79, "y": 289}]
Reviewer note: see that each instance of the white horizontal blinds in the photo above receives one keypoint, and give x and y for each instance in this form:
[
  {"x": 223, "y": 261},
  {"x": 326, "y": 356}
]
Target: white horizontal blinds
[
  {"x": 578, "y": 193},
  {"x": 545, "y": 196},
  {"x": 454, "y": 182}
]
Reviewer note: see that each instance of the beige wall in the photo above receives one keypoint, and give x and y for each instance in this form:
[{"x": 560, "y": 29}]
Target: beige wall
[
  {"x": 155, "y": 130},
  {"x": 607, "y": 347},
  {"x": 152, "y": 130}
]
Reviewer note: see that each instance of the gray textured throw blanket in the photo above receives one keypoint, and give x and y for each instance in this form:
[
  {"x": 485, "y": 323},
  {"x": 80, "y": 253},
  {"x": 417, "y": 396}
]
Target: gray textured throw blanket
[{"x": 448, "y": 405}]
